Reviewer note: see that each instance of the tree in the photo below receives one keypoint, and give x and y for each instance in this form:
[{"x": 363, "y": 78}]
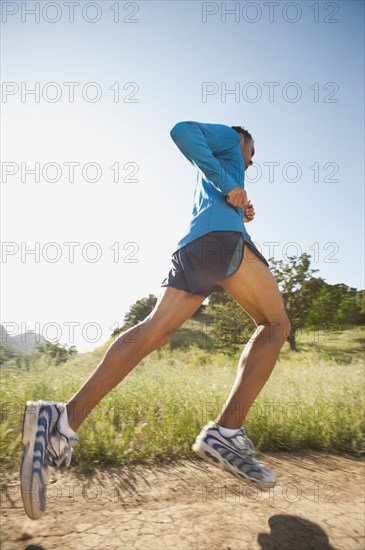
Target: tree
[
  {"x": 137, "y": 313},
  {"x": 219, "y": 297},
  {"x": 57, "y": 353},
  {"x": 335, "y": 305},
  {"x": 298, "y": 289},
  {"x": 323, "y": 308},
  {"x": 231, "y": 326},
  {"x": 9, "y": 355},
  {"x": 199, "y": 313},
  {"x": 360, "y": 300},
  {"x": 348, "y": 312},
  {"x": 140, "y": 310}
]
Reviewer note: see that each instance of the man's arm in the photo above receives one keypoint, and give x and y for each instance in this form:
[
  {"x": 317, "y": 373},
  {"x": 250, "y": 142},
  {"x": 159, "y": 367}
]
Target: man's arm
[{"x": 192, "y": 142}]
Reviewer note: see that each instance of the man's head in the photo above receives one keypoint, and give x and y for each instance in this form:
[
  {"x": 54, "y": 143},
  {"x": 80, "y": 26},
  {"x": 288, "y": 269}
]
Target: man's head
[{"x": 246, "y": 144}]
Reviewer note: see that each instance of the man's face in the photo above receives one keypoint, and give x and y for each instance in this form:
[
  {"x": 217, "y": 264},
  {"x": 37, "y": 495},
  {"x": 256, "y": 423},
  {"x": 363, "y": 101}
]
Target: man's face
[{"x": 248, "y": 151}]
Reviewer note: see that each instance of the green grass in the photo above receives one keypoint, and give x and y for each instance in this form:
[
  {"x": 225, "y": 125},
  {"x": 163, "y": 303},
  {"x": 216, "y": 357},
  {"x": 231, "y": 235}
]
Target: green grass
[{"x": 314, "y": 399}]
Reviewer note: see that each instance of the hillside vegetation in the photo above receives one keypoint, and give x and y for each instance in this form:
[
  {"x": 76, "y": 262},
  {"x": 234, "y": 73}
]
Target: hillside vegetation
[{"x": 314, "y": 399}]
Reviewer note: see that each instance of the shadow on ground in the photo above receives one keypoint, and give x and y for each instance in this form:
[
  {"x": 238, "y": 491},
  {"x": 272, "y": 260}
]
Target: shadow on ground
[{"x": 289, "y": 532}]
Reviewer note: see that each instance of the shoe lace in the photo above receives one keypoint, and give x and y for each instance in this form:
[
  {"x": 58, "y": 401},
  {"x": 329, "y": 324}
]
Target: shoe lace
[
  {"x": 59, "y": 450},
  {"x": 244, "y": 443}
]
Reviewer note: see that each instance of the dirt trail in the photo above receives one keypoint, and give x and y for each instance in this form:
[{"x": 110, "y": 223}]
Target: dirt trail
[{"x": 318, "y": 504}]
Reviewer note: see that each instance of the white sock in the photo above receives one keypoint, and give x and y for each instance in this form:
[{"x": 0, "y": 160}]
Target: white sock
[
  {"x": 227, "y": 432},
  {"x": 64, "y": 426}
]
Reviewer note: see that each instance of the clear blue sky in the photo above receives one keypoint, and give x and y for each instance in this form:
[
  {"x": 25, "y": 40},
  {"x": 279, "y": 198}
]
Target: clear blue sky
[{"x": 169, "y": 53}]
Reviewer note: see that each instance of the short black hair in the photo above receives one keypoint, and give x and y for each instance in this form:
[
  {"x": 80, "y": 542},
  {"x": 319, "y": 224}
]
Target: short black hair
[{"x": 245, "y": 133}]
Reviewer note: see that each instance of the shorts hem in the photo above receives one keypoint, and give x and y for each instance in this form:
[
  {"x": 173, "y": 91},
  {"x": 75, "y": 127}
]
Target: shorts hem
[{"x": 193, "y": 292}]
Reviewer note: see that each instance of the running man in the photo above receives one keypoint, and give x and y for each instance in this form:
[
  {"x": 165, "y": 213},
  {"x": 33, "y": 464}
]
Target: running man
[{"x": 215, "y": 252}]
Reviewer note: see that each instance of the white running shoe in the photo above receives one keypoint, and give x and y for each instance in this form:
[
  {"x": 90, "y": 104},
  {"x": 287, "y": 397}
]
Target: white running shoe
[
  {"x": 234, "y": 454},
  {"x": 43, "y": 445}
]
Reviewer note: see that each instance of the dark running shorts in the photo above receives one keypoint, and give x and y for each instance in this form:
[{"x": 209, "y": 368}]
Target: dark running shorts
[{"x": 199, "y": 266}]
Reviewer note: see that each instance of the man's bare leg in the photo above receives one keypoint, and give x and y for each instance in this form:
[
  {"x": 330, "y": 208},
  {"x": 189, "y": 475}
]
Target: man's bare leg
[
  {"x": 254, "y": 288},
  {"x": 173, "y": 308}
]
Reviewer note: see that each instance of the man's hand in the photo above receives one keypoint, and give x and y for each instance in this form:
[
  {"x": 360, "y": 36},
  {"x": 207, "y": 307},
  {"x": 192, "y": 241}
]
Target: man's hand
[
  {"x": 249, "y": 213},
  {"x": 238, "y": 197}
]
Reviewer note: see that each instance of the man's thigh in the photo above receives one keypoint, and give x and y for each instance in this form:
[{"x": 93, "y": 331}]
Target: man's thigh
[
  {"x": 174, "y": 307},
  {"x": 255, "y": 289}
]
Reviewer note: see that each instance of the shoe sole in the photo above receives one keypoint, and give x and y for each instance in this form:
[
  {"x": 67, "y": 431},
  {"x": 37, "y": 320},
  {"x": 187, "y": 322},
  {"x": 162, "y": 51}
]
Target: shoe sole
[
  {"x": 207, "y": 453},
  {"x": 33, "y": 477}
]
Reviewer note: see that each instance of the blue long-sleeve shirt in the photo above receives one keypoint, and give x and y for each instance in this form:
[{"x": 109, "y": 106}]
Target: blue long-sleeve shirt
[{"x": 215, "y": 150}]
